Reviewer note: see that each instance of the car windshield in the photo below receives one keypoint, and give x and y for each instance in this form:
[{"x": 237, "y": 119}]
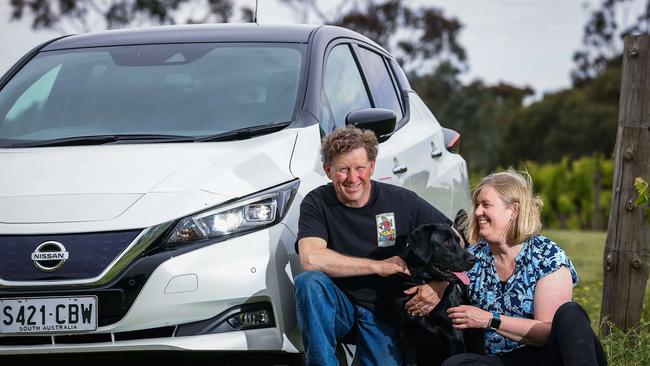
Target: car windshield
[{"x": 165, "y": 90}]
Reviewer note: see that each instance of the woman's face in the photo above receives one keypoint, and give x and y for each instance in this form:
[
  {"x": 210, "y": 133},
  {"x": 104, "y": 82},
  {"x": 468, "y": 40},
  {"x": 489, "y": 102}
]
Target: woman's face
[{"x": 493, "y": 216}]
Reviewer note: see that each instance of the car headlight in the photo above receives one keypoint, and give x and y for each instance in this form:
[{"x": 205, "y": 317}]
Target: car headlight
[{"x": 250, "y": 213}]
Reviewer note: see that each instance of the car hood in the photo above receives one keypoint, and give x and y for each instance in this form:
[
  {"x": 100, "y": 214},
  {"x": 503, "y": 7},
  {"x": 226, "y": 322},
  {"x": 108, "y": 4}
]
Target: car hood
[{"x": 136, "y": 185}]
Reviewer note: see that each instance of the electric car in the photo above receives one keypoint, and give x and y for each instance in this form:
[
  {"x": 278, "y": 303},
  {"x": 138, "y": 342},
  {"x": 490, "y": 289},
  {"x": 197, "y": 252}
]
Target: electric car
[{"x": 151, "y": 180}]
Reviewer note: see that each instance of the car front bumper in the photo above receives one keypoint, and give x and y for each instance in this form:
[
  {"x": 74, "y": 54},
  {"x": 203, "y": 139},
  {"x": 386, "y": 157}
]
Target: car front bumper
[{"x": 192, "y": 288}]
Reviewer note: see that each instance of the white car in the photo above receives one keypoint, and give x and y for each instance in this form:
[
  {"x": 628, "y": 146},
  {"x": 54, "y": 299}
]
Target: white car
[{"x": 151, "y": 180}]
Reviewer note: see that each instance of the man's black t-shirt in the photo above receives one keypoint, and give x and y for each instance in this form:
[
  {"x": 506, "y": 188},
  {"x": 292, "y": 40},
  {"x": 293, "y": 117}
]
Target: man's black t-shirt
[{"x": 369, "y": 232}]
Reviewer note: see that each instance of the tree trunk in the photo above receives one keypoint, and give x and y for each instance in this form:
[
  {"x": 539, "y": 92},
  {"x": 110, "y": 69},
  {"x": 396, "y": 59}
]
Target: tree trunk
[{"x": 627, "y": 251}]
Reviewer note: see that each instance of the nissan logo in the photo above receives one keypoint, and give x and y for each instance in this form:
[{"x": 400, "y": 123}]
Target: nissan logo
[{"x": 49, "y": 256}]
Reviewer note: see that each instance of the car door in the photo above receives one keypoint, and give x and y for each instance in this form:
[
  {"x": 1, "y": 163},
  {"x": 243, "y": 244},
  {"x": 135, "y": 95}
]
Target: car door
[
  {"x": 420, "y": 152},
  {"x": 434, "y": 172},
  {"x": 346, "y": 90}
]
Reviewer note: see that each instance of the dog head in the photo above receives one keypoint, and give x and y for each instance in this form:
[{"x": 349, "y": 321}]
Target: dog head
[{"x": 434, "y": 252}]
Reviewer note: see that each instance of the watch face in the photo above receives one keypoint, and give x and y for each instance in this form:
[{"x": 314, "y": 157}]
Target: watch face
[{"x": 495, "y": 323}]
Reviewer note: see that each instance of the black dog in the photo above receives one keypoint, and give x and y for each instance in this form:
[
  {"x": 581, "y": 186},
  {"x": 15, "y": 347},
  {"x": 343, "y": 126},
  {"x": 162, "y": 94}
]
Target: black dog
[{"x": 434, "y": 252}]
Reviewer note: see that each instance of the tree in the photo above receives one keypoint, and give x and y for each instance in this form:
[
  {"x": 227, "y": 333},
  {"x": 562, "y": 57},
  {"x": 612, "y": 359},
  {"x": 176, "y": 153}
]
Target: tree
[
  {"x": 420, "y": 38},
  {"x": 65, "y": 16},
  {"x": 604, "y": 33},
  {"x": 480, "y": 113},
  {"x": 571, "y": 123},
  {"x": 574, "y": 122}
]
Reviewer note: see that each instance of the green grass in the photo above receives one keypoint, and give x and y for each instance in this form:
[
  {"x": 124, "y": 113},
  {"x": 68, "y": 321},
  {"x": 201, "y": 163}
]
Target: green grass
[
  {"x": 632, "y": 348},
  {"x": 586, "y": 252},
  {"x": 585, "y": 249}
]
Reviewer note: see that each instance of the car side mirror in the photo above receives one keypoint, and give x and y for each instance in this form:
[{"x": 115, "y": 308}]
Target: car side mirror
[{"x": 378, "y": 120}]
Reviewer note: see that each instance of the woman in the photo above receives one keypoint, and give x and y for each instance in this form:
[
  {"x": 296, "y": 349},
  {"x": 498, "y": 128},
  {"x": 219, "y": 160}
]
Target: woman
[{"x": 521, "y": 285}]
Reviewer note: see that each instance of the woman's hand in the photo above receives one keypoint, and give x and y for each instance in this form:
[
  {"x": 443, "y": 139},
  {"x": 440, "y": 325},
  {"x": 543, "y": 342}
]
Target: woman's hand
[
  {"x": 466, "y": 316},
  {"x": 426, "y": 297}
]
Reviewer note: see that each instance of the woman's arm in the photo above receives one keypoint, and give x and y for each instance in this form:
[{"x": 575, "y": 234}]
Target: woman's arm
[{"x": 550, "y": 292}]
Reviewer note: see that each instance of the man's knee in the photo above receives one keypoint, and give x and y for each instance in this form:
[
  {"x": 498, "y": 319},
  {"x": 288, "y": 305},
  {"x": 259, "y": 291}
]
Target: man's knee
[
  {"x": 311, "y": 280},
  {"x": 463, "y": 359}
]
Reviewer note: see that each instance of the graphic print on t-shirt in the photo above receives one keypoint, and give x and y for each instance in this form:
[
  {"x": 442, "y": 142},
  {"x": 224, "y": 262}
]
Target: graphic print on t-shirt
[{"x": 386, "y": 231}]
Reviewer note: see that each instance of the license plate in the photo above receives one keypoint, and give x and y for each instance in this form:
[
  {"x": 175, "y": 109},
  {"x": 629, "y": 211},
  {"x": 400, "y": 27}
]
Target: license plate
[{"x": 48, "y": 315}]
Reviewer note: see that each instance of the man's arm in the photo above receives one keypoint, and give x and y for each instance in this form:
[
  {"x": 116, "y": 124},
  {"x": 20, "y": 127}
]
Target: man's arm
[{"x": 315, "y": 256}]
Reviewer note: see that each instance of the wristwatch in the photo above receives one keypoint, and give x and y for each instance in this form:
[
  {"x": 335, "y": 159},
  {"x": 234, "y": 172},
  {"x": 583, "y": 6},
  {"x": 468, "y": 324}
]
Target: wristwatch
[{"x": 495, "y": 322}]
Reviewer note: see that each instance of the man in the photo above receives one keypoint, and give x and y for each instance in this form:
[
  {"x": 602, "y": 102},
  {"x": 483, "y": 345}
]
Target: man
[{"x": 346, "y": 241}]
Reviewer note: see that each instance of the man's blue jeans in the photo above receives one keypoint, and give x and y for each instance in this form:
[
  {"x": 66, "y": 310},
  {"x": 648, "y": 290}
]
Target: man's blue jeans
[{"x": 326, "y": 315}]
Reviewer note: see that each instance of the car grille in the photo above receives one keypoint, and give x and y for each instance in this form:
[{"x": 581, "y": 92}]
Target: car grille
[
  {"x": 115, "y": 297},
  {"x": 161, "y": 332},
  {"x": 89, "y": 255}
]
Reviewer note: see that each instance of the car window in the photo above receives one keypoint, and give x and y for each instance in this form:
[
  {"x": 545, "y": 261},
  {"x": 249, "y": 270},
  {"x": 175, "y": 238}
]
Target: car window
[
  {"x": 344, "y": 88},
  {"x": 401, "y": 77},
  {"x": 174, "y": 89},
  {"x": 33, "y": 99},
  {"x": 421, "y": 108},
  {"x": 380, "y": 82}
]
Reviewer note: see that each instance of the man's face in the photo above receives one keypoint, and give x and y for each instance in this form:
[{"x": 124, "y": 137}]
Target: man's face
[{"x": 350, "y": 173}]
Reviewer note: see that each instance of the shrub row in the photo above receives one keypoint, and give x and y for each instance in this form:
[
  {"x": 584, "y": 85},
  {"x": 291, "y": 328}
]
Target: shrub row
[{"x": 577, "y": 194}]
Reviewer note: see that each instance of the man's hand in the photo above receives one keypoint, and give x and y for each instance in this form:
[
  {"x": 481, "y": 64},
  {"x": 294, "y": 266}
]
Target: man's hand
[
  {"x": 426, "y": 297},
  {"x": 391, "y": 266}
]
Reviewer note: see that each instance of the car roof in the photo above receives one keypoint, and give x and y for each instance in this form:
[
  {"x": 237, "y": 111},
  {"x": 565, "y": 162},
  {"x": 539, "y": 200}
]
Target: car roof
[
  {"x": 245, "y": 32},
  {"x": 223, "y": 32}
]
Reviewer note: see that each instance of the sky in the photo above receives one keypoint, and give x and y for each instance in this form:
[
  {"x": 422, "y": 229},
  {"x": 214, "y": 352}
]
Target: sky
[{"x": 521, "y": 42}]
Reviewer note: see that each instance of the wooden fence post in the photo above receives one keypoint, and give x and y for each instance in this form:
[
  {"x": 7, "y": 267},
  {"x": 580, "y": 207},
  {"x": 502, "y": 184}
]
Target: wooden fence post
[{"x": 627, "y": 251}]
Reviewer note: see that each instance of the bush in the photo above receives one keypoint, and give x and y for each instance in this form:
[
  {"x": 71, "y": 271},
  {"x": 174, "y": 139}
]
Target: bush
[{"x": 577, "y": 194}]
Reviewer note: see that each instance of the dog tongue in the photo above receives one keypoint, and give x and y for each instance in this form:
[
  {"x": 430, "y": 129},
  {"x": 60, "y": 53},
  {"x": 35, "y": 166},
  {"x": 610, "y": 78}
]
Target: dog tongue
[{"x": 462, "y": 276}]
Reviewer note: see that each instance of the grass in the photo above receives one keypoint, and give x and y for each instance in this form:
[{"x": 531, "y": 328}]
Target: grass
[{"x": 585, "y": 249}]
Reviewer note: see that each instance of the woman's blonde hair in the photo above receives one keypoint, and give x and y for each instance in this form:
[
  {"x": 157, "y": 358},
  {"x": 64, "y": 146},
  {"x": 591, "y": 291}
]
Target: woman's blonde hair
[{"x": 513, "y": 188}]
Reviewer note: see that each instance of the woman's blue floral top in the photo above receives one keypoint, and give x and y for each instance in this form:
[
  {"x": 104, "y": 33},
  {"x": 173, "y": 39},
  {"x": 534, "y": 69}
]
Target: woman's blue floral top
[{"x": 539, "y": 256}]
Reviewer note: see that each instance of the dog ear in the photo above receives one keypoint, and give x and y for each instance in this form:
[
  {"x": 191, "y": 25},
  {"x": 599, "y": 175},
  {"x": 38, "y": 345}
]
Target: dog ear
[
  {"x": 421, "y": 243},
  {"x": 457, "y": 258}
]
